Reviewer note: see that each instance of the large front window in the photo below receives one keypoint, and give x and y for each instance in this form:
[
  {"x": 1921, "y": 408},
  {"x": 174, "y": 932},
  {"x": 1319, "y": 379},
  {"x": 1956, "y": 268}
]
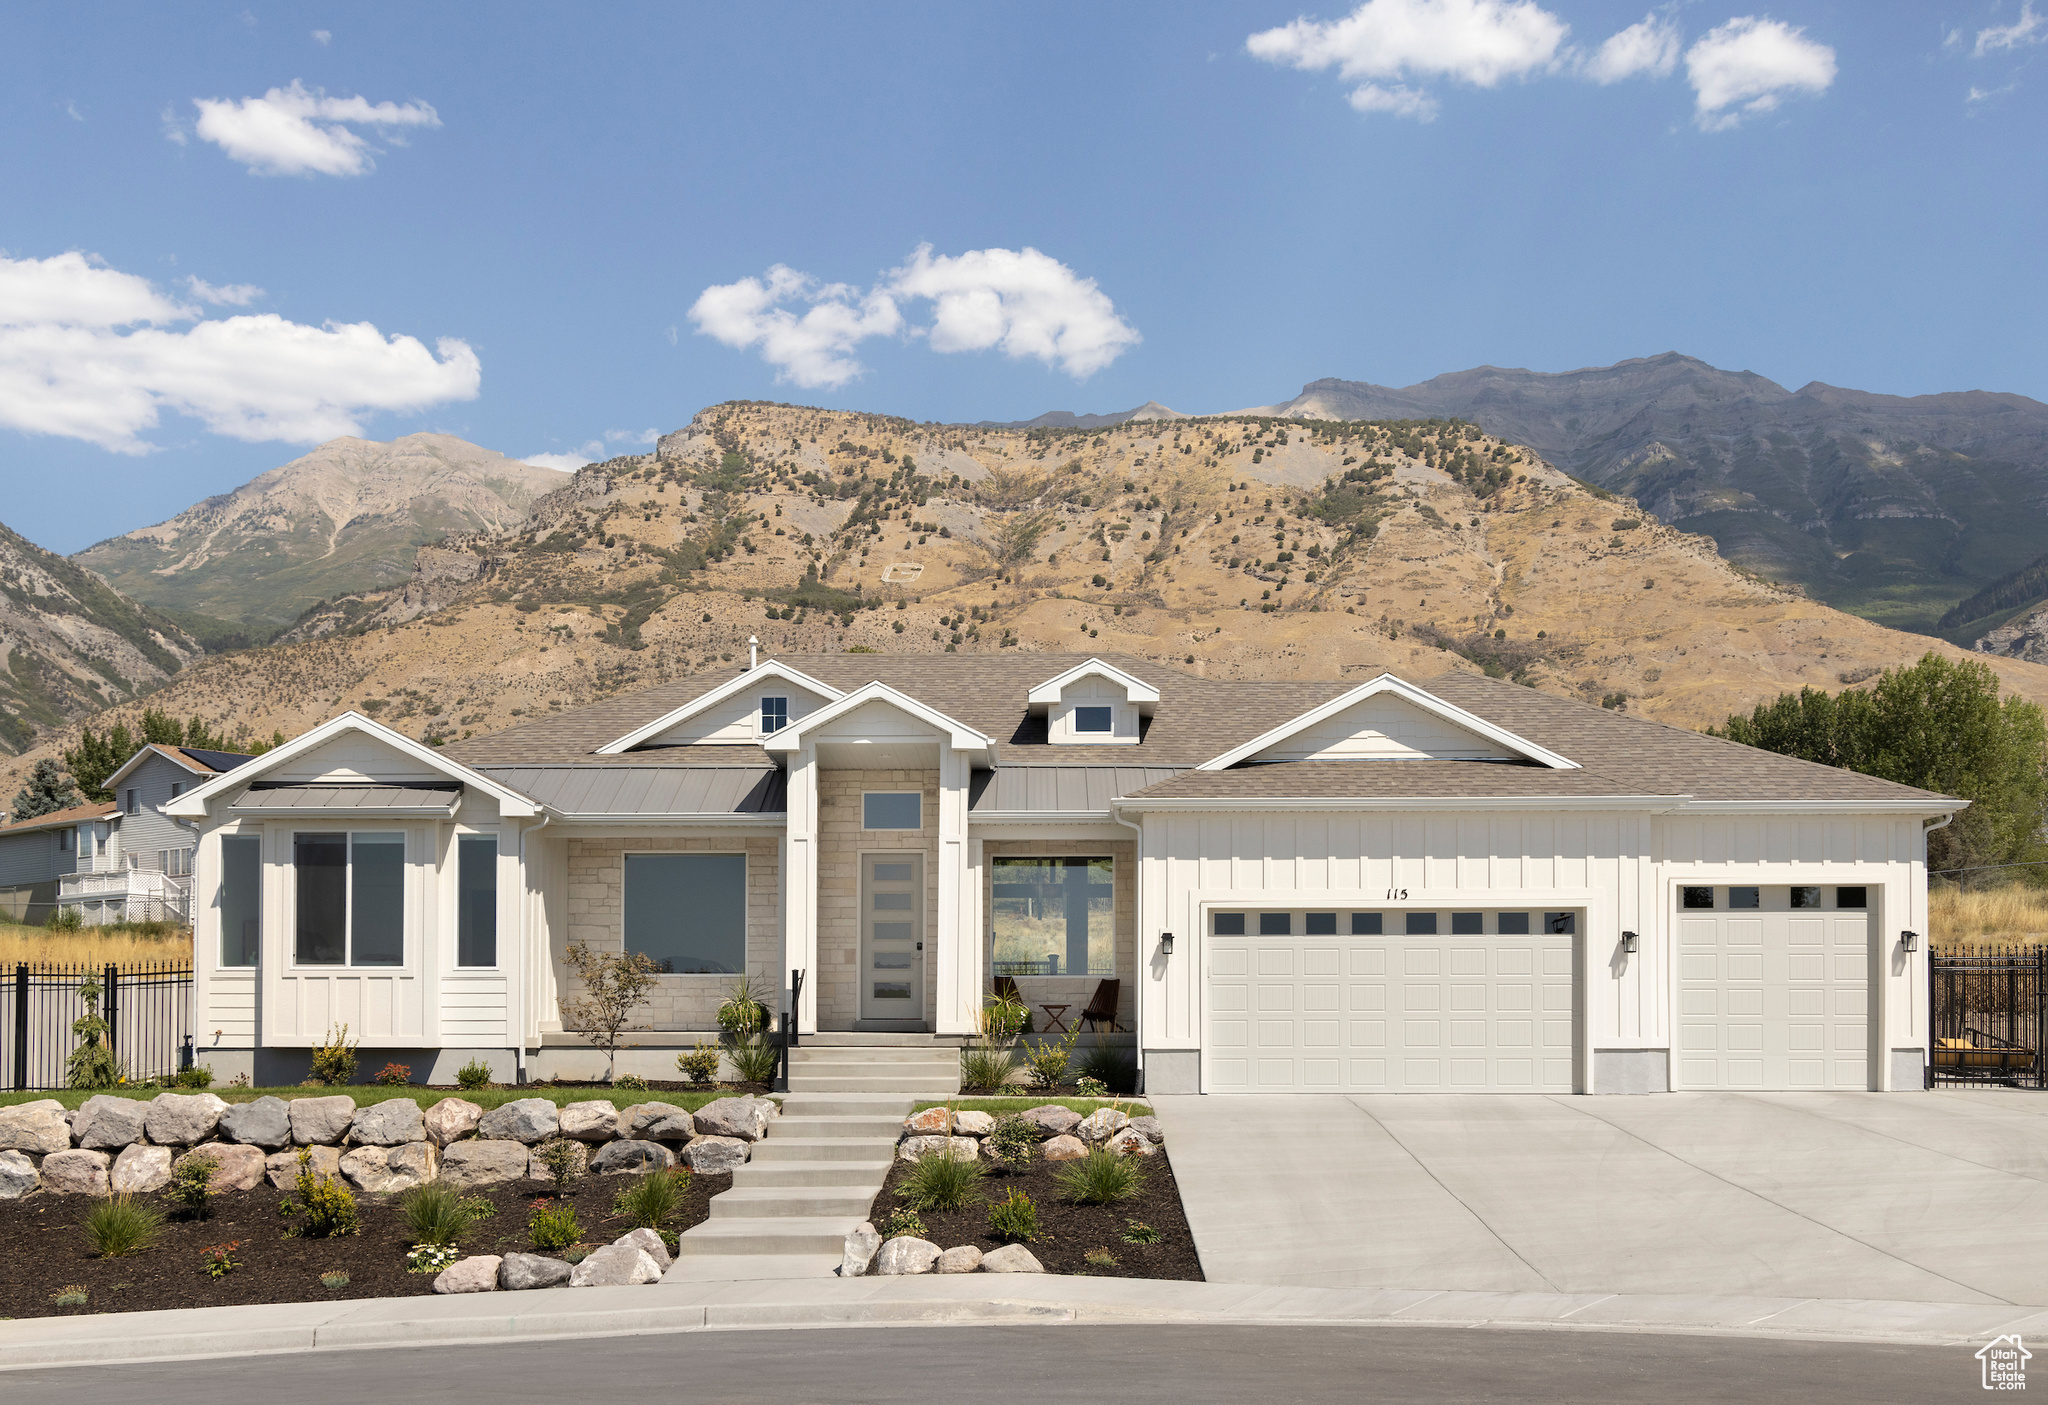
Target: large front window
[
  {"x": 241, "y": 899},
  {"x": 1054, "y": 917},
  {"x": 351, "y": 899},
  {"x": 688, "y": 912}
]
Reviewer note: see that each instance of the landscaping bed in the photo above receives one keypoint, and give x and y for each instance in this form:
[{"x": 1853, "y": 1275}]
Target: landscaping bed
[
  {"x": 43, "y": 1250},
  {"x": 685, "y": 1095}
]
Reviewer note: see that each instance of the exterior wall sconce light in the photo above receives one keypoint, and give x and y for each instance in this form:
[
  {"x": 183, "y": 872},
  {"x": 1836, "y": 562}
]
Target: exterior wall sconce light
[
  {"x": 1628, "y": 942},
  {"x": 1166, "y": 943},
  {"x": 1909, "y": 941}
]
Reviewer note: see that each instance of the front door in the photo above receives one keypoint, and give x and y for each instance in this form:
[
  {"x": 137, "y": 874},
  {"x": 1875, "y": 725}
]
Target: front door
[{"x": 892, "y": 936}]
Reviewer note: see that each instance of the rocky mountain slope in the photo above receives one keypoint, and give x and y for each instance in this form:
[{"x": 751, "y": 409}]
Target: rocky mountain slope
[
  {"x": 72, "y": 644},
  {"x": 1236, "y": 546},
  {"x": 1891, "y": 507},
  {"x": 349, "y": 516}
]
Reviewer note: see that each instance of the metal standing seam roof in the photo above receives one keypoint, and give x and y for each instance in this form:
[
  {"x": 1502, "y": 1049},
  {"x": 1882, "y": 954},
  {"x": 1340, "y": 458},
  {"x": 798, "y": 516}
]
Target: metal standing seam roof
[
  {"x": 1018, "y": 790},
  {"x": 424, "y": 800},
  {"x": 648, "y": 790}
]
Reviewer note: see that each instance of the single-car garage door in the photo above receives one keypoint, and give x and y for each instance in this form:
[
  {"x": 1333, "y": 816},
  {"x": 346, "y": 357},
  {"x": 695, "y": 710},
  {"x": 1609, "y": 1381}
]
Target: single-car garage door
[
  {"x": 1773, "y": 988},
  {"x": 1390, "y": 1002}
]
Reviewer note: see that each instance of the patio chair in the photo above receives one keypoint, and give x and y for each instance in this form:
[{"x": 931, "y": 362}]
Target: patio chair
[{"x": 1102, "y": 1007}]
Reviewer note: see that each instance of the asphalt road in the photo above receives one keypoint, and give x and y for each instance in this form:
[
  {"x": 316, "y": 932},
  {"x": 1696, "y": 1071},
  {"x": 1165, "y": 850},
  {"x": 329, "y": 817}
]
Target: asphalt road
[{"x": 1035, "y": 1365}]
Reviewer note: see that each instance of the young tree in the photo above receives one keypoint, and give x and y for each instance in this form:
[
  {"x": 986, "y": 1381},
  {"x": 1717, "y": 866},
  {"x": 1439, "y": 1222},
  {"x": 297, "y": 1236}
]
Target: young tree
[
  {"x": 46, "y": 791},
  {"x": 96, "y": 757},
  {"x": 613, "y": 983}
]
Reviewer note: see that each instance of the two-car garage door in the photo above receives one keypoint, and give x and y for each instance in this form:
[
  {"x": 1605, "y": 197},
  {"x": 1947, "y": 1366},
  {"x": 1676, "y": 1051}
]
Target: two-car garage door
[{"x": 1312, "y": 1002}]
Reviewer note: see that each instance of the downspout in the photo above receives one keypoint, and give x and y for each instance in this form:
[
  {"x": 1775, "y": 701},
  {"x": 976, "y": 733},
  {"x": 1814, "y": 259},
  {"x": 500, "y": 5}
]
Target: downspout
[
  {"x": 526, "y": 955},
  {"x": 1138, "y": 918}
]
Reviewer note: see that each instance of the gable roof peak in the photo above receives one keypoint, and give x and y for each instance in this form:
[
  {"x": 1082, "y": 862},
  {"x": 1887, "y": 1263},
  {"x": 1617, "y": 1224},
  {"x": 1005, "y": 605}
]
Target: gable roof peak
[{"x": 1416, "y": 696}]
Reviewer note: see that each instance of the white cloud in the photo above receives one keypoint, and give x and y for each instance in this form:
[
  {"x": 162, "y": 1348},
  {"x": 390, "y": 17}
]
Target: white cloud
[
  {"x": 1386, "y": 45},
  {"x": 566, "y": 463},
  {"x": 2029, "y": 28},
  {"x": 322, "y": 36},
  {"x": 88, "y": 352},
  {"x": 1650, "y": 45},
  {"x": 1023, "y": 302},
  {"x": 71, "y": 111},
  {"x": 593, "y": 450},
  {"x": 232, "y": 295},
  {"x": 631, "y": 436},
  {"x": 1748, "y": 65},
  {"x": 174, "y": 130},
  {"x": 299, "y": 132}
]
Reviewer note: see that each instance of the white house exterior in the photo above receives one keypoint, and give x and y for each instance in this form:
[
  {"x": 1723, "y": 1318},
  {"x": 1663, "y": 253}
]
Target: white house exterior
[{"x": 1458, "y": 885}]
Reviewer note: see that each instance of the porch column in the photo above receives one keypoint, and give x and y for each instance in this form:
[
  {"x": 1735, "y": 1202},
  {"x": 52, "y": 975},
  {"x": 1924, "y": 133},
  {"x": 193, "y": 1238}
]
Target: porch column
[
  {"x": 959, "y": 944},
  {"x": 800, "y": 885}
]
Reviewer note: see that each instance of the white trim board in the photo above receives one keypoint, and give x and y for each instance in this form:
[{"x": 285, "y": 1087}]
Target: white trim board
[{"x": 1408, "y": 692}]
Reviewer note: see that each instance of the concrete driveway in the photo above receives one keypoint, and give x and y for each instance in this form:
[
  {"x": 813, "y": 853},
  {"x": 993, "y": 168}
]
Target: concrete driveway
[{"x": 1924, "y": 1197}]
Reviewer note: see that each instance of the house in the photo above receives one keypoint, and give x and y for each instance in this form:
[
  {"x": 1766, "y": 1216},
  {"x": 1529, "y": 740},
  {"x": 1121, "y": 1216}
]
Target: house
[
  {"x": 115, "y": 861},
  {"x": 1458, "y": 884}
]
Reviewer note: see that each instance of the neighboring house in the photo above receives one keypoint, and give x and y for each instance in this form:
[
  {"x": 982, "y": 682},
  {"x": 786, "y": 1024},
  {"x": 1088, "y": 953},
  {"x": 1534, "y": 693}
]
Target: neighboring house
[
  {"x": 1301, "y": 886},
  {"x": 35, "y": 853}
]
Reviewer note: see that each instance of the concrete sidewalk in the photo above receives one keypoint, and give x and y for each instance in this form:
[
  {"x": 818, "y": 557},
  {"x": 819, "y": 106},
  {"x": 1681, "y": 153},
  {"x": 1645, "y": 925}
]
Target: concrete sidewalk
[{"x": 967, "y": 1300}]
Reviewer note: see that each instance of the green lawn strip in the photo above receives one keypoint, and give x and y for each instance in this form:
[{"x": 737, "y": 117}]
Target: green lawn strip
[
  {"x": 998, "y": 1106},
  {"x": 485, "y": 1098}
]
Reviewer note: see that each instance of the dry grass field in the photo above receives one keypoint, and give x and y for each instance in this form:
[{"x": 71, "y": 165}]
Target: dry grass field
[
  {"x": 90, "y": 946},
  {"x": 2015, "y": 913}
]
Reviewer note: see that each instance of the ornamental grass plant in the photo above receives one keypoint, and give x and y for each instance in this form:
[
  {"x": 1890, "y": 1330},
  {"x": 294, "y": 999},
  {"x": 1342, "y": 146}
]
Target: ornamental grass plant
[
  {"x": 1100, "y": 1178},
  {"x": 121, "y": 1224}
]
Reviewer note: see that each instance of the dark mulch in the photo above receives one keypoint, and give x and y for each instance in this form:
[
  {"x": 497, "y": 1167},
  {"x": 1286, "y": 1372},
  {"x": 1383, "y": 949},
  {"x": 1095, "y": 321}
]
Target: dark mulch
[
  {"x": 622, "y": 1096},
  {"x": 1067, "y": 1231},
  {"x": 43, "y": 1251}
]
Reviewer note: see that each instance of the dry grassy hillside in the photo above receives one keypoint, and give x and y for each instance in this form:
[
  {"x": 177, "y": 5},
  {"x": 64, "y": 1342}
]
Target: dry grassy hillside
[{"x": 1234, "y": 546}]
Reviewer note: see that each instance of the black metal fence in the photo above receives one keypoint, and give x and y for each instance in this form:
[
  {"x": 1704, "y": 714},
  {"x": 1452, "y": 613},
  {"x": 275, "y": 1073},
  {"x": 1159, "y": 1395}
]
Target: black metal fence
[
  {"x": 148, "y": 1010},
  {"x": 1988, "y": 1010}
]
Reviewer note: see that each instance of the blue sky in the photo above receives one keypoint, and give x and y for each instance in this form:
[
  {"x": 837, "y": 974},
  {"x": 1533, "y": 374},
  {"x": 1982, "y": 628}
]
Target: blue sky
[{"x": 496, "y": 221}]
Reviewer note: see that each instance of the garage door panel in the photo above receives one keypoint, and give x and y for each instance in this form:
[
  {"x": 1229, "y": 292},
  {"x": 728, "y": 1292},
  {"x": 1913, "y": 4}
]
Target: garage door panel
[
  {"x": 1319, "y": 1034},
  {"x": 1422, "y": 1034},
  {"x": 1772, "y": 1000},
  {"x": 1276, "y": 960},
  {"x": 1229, "y": 961},
  {"x": 1467, "y": 997}
]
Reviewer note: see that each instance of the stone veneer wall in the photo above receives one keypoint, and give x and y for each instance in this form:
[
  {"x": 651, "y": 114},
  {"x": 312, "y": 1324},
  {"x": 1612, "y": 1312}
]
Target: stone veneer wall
[
  {"x": 841, "y": 842},
  {"x": 1076, "y": 990},
  {"x": 596, "y": 917}
]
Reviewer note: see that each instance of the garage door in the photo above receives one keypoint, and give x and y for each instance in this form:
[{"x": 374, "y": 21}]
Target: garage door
[
  {"x": 1436, "y": 1002},
  {"x": 1773, "y": 988}
]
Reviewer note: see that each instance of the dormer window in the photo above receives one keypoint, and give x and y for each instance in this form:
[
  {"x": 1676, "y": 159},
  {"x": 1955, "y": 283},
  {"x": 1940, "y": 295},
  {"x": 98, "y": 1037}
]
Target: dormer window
[
  {"x": 774, "y": 715},
  {"x": 1094, "y": 719}
]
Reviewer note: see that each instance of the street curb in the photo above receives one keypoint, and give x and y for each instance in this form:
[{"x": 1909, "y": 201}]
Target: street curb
[{"x": 969, "y": 1300}]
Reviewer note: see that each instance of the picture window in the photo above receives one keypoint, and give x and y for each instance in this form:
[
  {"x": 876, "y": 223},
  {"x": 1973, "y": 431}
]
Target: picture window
[
  {"x": 1054, "y": 916},
  {"x": 350, "y": 900},
  {"x": 687, "y": 913},
  {"x": 888, "y": 809}
]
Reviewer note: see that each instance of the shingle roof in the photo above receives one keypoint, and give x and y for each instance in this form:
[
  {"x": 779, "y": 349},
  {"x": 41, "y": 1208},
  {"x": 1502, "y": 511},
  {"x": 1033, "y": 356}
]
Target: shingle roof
[
  {"x": 57, "y": 819},
  {"x": 1391, "y": 779}
]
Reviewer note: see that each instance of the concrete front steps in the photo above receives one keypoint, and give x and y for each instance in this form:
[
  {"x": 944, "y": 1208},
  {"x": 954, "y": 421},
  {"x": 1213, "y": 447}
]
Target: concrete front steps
[{"x": 875, "y": 1063}]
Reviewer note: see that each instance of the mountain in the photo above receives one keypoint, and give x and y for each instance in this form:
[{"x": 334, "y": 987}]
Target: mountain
[
  {"x": 1067, "y": 419},
  {"x": 349, "y": 516},
  {"x": 1233, "y": 546},
  {"x": 73, "y": 644},
  {"x": 1891, "y": 507}
]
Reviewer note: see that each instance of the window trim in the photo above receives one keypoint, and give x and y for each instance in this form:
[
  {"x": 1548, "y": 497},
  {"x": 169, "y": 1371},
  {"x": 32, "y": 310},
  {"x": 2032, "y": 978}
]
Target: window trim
[
  {"x": 409, "y": 938},
  {"x": 867, "y": 828},
  {"x": 1108, "y": 727},
  {"x": 746, "y": 906},
  {"x": 761, "y": 713}
]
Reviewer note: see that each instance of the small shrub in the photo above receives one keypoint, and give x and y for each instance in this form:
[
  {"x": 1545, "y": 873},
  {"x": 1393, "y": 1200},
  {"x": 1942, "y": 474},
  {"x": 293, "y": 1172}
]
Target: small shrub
[
  {"x": 334, "y": 1063},
  {"x": 902, "y": 1220},
  {"x": 217, "y": 1259},
  {"x": 1015, "y": 1218},
  {"x": 630, "y": 1083},
  {"x": 1099, "y": 1258},
  {"x": 986, "y": 1064},
  {"x": 939, "y": 1180},
  {"x": 1010, "y": 1144},
  {"x": 240, "y": 1080},
  {"x": 1112, "y": 1067},
  {"x": 1091, "y": 1087},
  {"x": 71, "y": 1295},
  {"x": 473, "y": 1075},
  {"x": 65, "y": 919},
  {"x": 434, "y": 1214},
  {"x": 1138, "y": 1232},
  {"x": 121, "y": 1224},
  {"x": 743, "y": 1012},
  {"x": 92, "y": 1064},
  {"x": 1004, "y": 1017},
  {"x": 1100, "y": 1178},
  {"x": 575, "y": 1254},
  {"x": 430, "y": 1258},
  {"x": 322, "y": 1205},
  {"x": 701, "y": 1063},
  {"x": 478, "y": 1207},
  {"x": 563, "y": 1159},
  {"x": 552, "y": 1226},
  {"x": 756, "y": 1059},
  {"x": 653, "y": 1199},
  {"x": 192, "y": 1186},
  {"x": 197, "y": 1076},
  {"x": 335, "y": 1281},
  {"x": 1046, "y": 1065},
  {"x": 393, "y": 1075}
]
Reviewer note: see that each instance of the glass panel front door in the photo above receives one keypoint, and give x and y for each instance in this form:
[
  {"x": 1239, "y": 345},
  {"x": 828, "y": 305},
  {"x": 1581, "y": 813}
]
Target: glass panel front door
[{"x": 892, "y": 936}]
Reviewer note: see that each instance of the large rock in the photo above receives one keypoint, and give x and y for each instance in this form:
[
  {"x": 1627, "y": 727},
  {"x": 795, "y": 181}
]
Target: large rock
[
  {"x": 234, "y": 1167},
  {"x": 1129, "y": 1141},
  {"x": 859, "y": 1251},
  {"x": 522, "y": 1271},
  {"x": 963, "y": 1258},
  {"x": 1051, "y": 1119},
  {"x": 648, "y": 1241},
  {"x": 932, "y": 1122},
  {"x": 393, "y": 1122},
  {"x": 973, "y": 1124},
  {"x": 138, "y": 1170},
  {"x": 537, "y": 1159},
  {"x": 476, "y": 1274},
  {"x": 386, "y": 1170},
  {"x": 106, "y": 1123},
  {"x": 962, "y": 1148},
  {"x": 714, "y": 1155},
  {"x": 1149, "y": 1126},
  {"x": 745, "y": 1118},
  {"x": 905, "y": 1254},
  {"x": 266, "y": 1122},
  {"x": 322, "y": 1121},
  {"x": 76, "y": 1172},
  {"x": 1011, "y": 1258},
  {"x": 1100, "y": 1125},
  {"x": 450, "y": 1120},
  {"x": 614, "y": 1265},
  {"x": 17, "y": 1175},
  {"x": 631, "y": 1156},
  {"x": 589, "y": 1122},
  {"x": 656, "y": 1122},
  {"x": 38, "y": 1128},
  {"x": 282, "y": 1167},
  {"x": 528, "y": 1120},
  {"x": 467, "y": 1165},
  {"x": 1065, "y": 1149},
  {"x": 183, "y": 1119}
]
